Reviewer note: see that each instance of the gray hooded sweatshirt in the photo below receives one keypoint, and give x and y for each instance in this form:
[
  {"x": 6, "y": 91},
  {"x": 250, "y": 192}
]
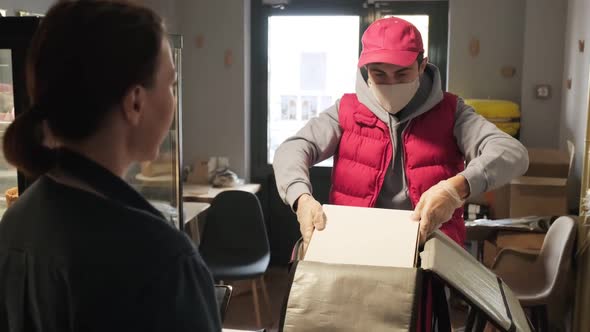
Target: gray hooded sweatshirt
[{"x": 493, "y": 157}]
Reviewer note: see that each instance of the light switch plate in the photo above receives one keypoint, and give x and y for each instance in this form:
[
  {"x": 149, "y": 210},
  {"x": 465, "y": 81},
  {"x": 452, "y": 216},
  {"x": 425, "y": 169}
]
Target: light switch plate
[{"x": 542, "y": 91}]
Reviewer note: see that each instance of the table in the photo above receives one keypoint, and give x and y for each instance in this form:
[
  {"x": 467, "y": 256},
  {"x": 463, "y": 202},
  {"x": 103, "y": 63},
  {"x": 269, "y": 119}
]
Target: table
[
  {"x": 160, "y": 179},
  {"x": 192, "y": 211},
  {"x": 206, "y": 193}
]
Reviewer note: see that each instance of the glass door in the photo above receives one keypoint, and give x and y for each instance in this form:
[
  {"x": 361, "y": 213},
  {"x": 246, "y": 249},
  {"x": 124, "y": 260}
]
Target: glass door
[{"x": 304, "y": 57}]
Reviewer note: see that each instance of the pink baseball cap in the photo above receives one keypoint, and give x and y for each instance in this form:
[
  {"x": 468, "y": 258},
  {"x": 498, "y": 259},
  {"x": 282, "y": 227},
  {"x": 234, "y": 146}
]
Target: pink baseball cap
[{"x": 391, "y": 40}]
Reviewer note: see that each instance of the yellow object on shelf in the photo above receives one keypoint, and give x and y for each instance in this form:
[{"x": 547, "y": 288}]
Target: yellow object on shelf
[
  {"x": 503, "y": 113},
  {"x": 490, "y": 108},
  {"x": 510, "y": 128}
]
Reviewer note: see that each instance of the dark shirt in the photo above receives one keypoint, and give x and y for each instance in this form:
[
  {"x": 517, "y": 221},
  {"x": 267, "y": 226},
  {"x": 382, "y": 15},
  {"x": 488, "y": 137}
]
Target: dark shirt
[{"x": 72, "y": 260}]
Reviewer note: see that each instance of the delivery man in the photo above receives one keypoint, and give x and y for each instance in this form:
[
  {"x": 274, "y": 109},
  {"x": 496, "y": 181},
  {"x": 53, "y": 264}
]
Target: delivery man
[{"x": 399, "y": 142}]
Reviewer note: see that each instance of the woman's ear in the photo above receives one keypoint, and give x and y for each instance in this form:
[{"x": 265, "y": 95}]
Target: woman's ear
[{"x": 133, "y": 105}]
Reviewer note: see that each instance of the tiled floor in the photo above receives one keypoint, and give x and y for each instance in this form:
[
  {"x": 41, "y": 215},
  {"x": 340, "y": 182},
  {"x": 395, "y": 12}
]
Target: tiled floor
[{"x": 240, "y": 314}]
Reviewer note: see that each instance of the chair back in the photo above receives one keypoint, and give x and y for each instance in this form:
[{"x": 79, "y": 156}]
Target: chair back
[
  {"x": 235, "y": 234},
  {"x": 557, "y": 253}
]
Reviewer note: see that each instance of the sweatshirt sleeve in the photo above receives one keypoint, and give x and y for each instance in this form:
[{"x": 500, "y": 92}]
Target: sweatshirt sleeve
[
  {"x": 315, "y": 142},
  {"x": 493, "y": 157}
]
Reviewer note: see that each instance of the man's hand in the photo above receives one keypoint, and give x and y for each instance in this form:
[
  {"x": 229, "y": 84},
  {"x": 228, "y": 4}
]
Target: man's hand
[
  {"x": 437, "y": 205},
  {"x": 310, "y": 216}
]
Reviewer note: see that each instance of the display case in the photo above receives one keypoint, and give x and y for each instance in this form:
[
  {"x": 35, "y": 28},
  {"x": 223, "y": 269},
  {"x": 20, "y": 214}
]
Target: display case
[
  {"x": 159, "y": 181},
  {"x": 8, "y": 174},
  {"x": 15, "y": 37}
]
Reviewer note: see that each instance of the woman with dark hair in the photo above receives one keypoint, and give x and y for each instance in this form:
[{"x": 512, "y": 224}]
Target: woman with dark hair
[{"x": 81, "y": 250}]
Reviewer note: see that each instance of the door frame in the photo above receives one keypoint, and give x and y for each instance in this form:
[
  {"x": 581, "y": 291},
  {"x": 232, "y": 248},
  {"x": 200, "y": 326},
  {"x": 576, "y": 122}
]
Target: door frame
[{"x": 281, "y": 222}]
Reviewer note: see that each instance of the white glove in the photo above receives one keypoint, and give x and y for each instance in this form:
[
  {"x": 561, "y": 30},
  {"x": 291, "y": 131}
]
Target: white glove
[
  {"x": 310, "y": 216},
  {"x": 436, "y": 206}
]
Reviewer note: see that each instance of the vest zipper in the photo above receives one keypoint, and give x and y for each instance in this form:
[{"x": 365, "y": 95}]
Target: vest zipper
[
  {"x": 393, "y": 142},
  {"x": 404, "y": 163}
]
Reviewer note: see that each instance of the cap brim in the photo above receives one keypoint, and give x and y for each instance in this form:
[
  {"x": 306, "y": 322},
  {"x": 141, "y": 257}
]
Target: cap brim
[{"x": 399, "y": 58}]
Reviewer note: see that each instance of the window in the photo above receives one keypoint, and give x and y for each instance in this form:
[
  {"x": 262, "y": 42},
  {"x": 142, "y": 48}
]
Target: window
[{"x": 311, "y": 63}]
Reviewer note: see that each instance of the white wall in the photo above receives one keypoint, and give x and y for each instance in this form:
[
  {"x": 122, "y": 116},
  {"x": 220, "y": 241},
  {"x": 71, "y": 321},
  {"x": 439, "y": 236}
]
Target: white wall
[
  {"x": 33, "y": 6},
  {"x": 499, "y": 26},
  {"x": 215, "y": 97},
  {"x": 527, "y": 34},
  {"x": 575, "y": 101},
  {"x": 544, "y": 33},
  {"x": 215, "y": 111}
]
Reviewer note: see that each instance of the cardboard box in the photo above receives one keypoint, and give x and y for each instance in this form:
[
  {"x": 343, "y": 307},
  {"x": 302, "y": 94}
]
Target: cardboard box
[
  {"x": 548, "y": 163},
  {"x": 387, "y": 295},
  {"x": 200, "y": 172},
  {"x": 530, "y": 196},
  {"x": 541, "y": 191},
  {"x": 375, "y": 248}
]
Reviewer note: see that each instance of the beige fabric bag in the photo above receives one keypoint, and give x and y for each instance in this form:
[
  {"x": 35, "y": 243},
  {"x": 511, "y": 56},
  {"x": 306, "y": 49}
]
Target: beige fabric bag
[{"x": 332, "y": 297}]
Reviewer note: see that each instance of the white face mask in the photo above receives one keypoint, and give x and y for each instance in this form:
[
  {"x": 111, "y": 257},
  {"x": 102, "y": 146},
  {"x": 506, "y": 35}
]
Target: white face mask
[{"x": 394, "y": 97}]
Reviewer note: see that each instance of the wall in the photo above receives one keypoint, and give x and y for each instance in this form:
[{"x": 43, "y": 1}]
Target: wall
[
  {"x": 529, "y": 37},
  {"x": 575, "y": 101},
  {"x": 544, "y": 44},
  {"x": 33, "y": 6},
  {"x": 500, "y": 44},
  {"x": 215, "y": 96},
  {"x": 215, "y": 114},
  {"x": 574, "y": 122},
  {"x": 168, "y": 10}
]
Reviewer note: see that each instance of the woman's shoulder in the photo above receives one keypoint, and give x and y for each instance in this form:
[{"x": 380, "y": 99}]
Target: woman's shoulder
[{"x": 76, "y": 216}]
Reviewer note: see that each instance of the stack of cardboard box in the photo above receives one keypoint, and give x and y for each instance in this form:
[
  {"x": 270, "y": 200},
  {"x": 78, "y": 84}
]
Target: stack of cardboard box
[{"x": 541, "y": 191}]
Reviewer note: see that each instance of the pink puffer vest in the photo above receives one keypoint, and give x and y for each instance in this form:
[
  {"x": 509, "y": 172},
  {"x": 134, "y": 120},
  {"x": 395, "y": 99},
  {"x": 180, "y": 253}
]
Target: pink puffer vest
[{"x": 430, "y": 155}]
